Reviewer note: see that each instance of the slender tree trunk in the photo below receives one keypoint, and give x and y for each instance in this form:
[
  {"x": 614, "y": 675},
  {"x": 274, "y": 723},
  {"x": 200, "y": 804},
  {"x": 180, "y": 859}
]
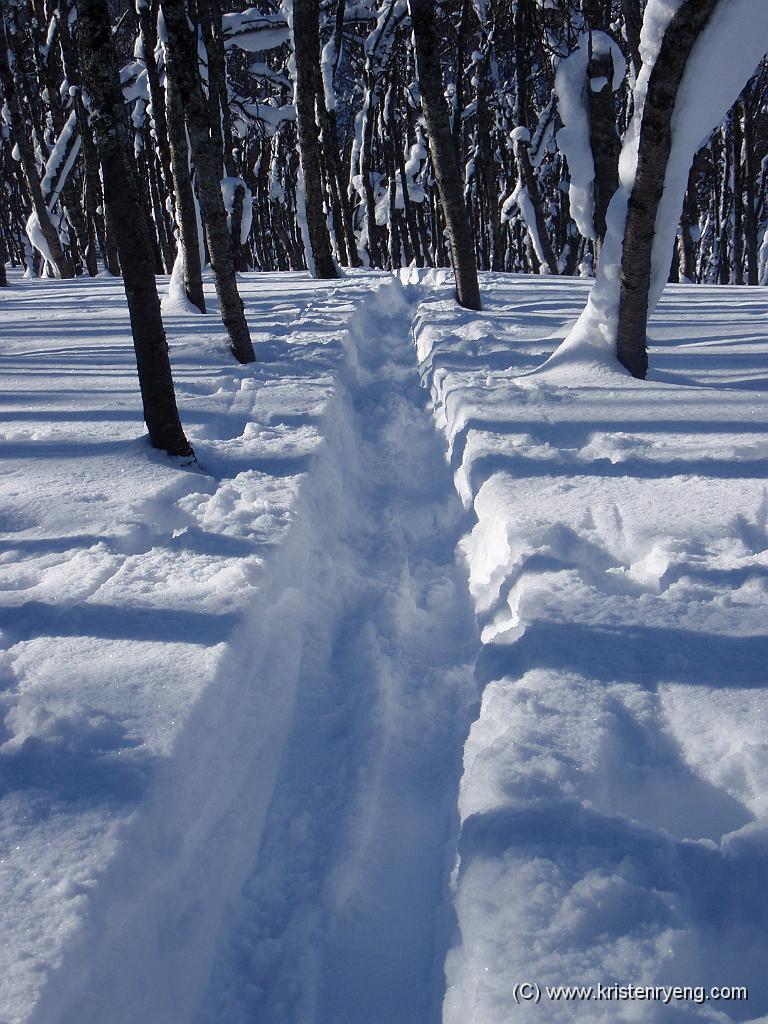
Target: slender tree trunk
[
  {"x": 210, "y": 16},
  {"x": 604, "y": 140},
  {"x": 653, "y": 155},
  {"x": 184, "y": 73},
  {"x": 93, "y": 198},
  {"x": 157, "y": 99},
  {"x": 688, "y": 220},
  {"x": 329, "y": 148},
  {"x": 21, "y": 134},
  {"x": 121, "y": 188},
  {"x": 725, "y": 209},
  {"x": 366, "y": 169},
  {"x": 443, "y": 153},
  {"x": 186, "y": 212},
  {"x": 737, "y": 199},
  {"x": 457, "y": 110},
  {"x": 489, "y": 168},
  {"x": 411, "y": 219},
  {"x": 156, "y": 192},
  {"x": 633, "y": 22},
  {"x": 522, "y": 156},
  {"x": 306, "y": 41},
  {"x": 342, "y": 210},
  {"x": 750, "y": 177}
]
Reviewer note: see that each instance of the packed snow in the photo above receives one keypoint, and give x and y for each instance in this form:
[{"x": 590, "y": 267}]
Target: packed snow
[{"x": 441, "y": 672}]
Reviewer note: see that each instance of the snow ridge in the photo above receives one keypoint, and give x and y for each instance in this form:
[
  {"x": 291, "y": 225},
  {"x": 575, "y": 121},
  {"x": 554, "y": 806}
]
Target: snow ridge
[{"x": 613, "y": 802}]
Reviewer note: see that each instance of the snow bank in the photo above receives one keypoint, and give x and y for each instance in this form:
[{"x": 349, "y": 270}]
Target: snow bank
[{"x": 615, "y": 787}]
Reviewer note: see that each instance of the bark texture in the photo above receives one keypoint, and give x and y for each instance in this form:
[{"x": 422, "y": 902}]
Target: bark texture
[
  {"x": 186, "y": 214},
  {"x": 306, "y": 40},
  {"x": 121, "y": 192},
  {"x": 604, "y": 140},
  {"x": 443, "y": 153},
  {"x": 184, "y": 74},
  {"x": 653, "y": 156},
  {"x": 21, "y": 134}
]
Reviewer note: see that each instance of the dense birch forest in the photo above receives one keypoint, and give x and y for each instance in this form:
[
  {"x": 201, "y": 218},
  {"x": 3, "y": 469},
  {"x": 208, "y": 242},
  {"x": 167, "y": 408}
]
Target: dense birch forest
[{"x": 310, "y": 117}]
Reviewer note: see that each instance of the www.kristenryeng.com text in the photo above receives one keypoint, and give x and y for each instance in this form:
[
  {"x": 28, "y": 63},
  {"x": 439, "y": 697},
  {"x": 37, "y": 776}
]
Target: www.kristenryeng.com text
[{"x": 530, "y": 992}]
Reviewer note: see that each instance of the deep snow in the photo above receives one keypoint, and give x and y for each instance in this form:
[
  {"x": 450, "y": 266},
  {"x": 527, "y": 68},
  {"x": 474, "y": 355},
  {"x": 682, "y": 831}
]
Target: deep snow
[
  {"x": 235, "y": 696},
  {"x": 613, "y": 799}
]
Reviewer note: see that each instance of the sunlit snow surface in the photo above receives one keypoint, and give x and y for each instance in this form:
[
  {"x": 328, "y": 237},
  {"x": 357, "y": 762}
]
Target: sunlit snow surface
[
  {"x": 235, "y": 696},
  {"x": 613, "y": 802}
]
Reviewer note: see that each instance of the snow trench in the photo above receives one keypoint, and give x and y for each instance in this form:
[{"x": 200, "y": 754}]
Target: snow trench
[{"x": 299, "y": 847}]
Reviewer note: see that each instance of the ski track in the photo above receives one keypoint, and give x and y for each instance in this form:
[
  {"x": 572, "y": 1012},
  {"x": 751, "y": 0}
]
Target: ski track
[
  {"x": 345, "y": 917},
  {"x": 293, "y": 861}
]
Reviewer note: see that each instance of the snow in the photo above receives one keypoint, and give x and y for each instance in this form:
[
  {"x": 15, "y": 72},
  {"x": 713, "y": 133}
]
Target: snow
[
  {"x": 271, "y": 116},
  {"x": 604, "y": 45},
  {"x": 175, "y": 300},
  {"x": 37, "y": 238},
  {"x": 573, "y": 139},
  {"x": 229, "y": 187},
  {"x": 60, "y": 161},
  {"x": 734, "y": 42},
  {"x": 254, "y": 31},
  {"x": 424, "y": 591},
  {"x": 138, "y": 598},
  {"x": 187, "y": 649},
  {"x": 328, "y": 59},
  {"x": 613, "y": 801}
]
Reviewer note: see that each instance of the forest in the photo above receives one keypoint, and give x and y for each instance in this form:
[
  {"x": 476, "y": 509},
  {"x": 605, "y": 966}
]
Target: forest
[
  {"x": 538, "y": 96},
  {"x": 383, "y": 511}
]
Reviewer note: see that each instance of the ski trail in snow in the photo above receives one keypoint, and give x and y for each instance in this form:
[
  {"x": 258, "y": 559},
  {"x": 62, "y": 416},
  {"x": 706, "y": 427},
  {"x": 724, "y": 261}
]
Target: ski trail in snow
[{"x": 344, "y": 917}]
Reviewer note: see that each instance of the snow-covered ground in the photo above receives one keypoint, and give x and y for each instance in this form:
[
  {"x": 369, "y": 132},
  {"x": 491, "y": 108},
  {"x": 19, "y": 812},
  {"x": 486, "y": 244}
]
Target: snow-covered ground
[
  {"x": 613, "y": 802},
  {"x": 236, "y": 696}
]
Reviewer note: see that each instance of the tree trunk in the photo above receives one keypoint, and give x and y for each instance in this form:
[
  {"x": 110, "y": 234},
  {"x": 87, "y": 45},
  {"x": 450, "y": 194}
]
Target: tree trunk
[
  {"x": 737, "y": 200},
  {"x": 443, "y": 153},
  {"x": 183, "y": 72},
  {"x": 653, "y": 155},
  {"x": 489, "y": 168},
  {"x": 750, "y": 176},
  {"x": 633, "y": 22},
  {"x": 522, "y": 156},
  {"x": 366, "y": 170},
  {"x": 306, "y": 42},
  {"x": 21, "y": 134},
  {"x": 93, "y": 198},
  {"x": 329, "y": 140},
  {"x": 604, "y": 141},
  {"x": 186, "y": 212},
  {"x": 688, "y": 220},
  {"x": 121, "y": 188}
]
